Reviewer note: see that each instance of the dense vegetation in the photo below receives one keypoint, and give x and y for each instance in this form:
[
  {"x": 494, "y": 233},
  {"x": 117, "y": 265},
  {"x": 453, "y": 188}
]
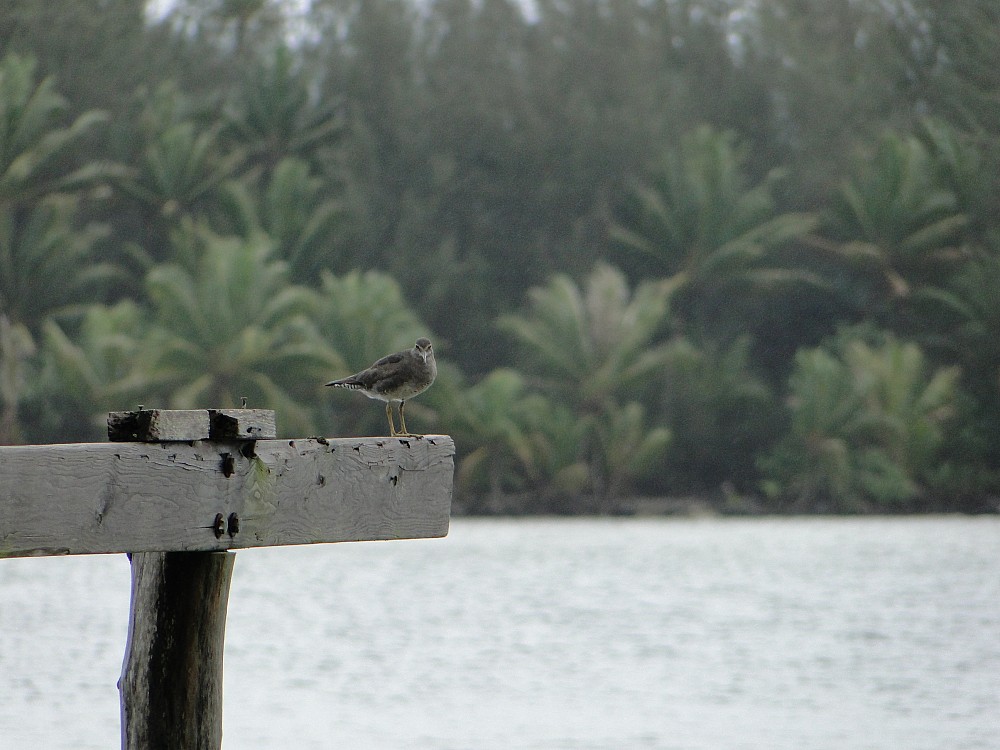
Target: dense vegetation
[{"x": 671, "y": 247}]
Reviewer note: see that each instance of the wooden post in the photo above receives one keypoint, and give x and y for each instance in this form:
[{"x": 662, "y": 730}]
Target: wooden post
[
  {"x": 178, "y": 490},
  {"x": 171, "y": 682}
]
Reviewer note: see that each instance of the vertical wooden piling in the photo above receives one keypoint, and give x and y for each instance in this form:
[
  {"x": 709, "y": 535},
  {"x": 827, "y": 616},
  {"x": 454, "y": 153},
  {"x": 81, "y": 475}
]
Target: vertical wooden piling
[{"x": 171, "y": 682}]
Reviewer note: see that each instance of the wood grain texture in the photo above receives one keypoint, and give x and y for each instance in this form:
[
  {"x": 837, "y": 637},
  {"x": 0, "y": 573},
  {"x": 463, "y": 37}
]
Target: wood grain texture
[
  {"x": 156, "y": 497},
  {"x": 171, "y": 682},
  {"x": 236, "y": 424},
  {"x": 163, "y": 425},
  {"x": 151, "y": 425}
]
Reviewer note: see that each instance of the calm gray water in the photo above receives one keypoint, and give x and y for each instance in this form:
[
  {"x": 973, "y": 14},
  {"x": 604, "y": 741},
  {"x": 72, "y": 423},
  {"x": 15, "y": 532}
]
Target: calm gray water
[{"x": 557, "y": 634}]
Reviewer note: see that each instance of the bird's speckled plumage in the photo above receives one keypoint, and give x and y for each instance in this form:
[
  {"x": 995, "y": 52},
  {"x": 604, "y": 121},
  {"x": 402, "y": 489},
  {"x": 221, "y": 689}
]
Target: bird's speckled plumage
[{"x": 396, "y": 377}]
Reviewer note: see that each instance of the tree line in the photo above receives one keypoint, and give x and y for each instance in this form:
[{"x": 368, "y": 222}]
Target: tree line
[{"x": 663, "y": 248}]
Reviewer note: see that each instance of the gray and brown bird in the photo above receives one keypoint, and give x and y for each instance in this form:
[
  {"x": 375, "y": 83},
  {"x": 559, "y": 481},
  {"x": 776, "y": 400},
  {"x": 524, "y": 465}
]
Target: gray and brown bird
[{"x": 396, "y": 377}]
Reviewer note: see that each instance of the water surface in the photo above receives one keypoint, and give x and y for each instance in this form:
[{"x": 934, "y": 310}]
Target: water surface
[{"x": 840, "y": 634}]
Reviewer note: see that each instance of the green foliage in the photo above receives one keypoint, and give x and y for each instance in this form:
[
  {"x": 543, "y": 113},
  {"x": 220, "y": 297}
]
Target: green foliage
[
  {"x": 593, "y": 349},
  {"x": 963, "y": 326},
  {"x": 92, "y": 370},
  {"x": 964, "y": 321},
  {"x": 239, "y": 199},
  {"x": 16, "y": 347},
  {"x": 960, "y": 168},
  {"x": 180, "y": 165},
  {"x": 707, "y": 230},
  {"x": 593, "y": 344},
  {"x": 275, "y": 116},
  {"x": 899, "y": 225},
  {"x": 630, "y": 449},
  {"x": 721, "y": 414},
  {"x": 839, "y": 71},
  {"x": 295, "y": 211},
  {"x": 41, "y": 245},
  {"x": 232, "y": 326},
  {"x": 516, "y": 441},
  {"x": 953, "y": 63},
  {"x": 866, "y": 423},
  {"x": 234, "y": 28},
  {"x": 97, "y": 62},
  {"x": 48, "y": 261},
  {"x": 35, "y": 148},
  {"x": 42, "y": 235}
]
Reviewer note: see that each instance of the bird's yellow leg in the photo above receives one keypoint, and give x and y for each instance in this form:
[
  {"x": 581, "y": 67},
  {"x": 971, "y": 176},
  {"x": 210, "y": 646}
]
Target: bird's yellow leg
[
  {"x": 388, "y": 413},
  {"x": 402, "y": 424}
]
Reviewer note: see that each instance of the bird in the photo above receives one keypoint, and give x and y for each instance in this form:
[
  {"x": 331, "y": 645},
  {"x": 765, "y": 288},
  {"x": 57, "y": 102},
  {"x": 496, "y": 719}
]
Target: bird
[{"x": 396, "y": 377}]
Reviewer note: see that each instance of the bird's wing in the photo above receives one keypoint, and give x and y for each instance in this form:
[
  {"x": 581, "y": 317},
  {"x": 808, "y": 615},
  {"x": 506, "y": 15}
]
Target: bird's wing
[
  {"x": 389, "y": 359},
  {"x": 363, "y": 379},
  {"x": 368, "y": 378}
]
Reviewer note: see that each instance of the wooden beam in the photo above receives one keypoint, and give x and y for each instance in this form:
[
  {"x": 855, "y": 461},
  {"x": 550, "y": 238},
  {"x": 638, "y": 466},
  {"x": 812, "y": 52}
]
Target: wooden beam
[
  {"x": 240, "y": 424},
  {"x": 163, "y": 425},
  {"x": 171, "y": 682},
  {"x": 220, "y": 495}
]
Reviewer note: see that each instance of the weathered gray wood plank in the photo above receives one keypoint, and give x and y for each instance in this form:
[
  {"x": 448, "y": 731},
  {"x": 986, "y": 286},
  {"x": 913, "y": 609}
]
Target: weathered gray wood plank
[
  {"x": 220, "y": 495},
  {"x": 150, "y": 425},
  {"x": 240, "y": 424},
  {"x": 171, "y": 682},
  {"x": 163, "y": 425}
]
